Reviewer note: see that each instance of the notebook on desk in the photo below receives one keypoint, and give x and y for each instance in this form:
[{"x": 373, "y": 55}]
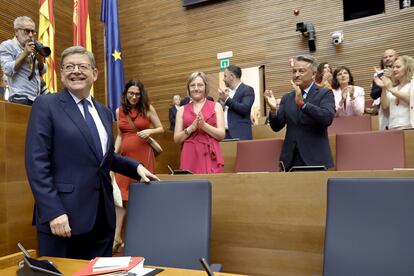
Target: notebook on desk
[
  {"x": 178, "y": 171},
  {"x": 307, "y": 168}
]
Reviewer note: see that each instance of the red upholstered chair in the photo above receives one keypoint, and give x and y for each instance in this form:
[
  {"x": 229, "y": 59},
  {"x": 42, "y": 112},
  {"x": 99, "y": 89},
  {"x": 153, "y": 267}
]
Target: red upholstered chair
[
  {"x": 372, "y": 150},
  {"x": 258, "y": 155},
  {"x": 350, "y": 124}
]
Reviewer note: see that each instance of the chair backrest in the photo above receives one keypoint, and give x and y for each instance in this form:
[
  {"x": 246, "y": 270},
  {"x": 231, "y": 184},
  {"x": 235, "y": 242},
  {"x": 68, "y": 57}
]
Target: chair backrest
[
  {"x": 258, "y": 155},
  {"x": 350, "y": 124},
  {"x": 369, "y": 227},
  {"x": 169, "y": 223},
  {"x": 372, "y": 150}
]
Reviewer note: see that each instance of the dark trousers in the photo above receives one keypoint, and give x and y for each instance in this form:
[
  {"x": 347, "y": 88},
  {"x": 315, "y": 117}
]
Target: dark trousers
[
  {"x": 97, "y": 242},
  {"x": 296, "y": 160}
]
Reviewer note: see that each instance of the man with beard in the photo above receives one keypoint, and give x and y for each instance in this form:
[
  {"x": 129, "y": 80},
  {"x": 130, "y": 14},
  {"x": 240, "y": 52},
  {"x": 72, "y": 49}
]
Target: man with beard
[
  {"x": 386, "y": 64},
  {"x": 237, "y": 100},
  {"x": 21, "y": 64},
  {"x": 307, "y": 111},
  {"x": 387, "y": 61}
]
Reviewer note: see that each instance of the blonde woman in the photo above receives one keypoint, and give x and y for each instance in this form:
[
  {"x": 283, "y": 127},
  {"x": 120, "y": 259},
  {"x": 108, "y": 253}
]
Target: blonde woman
[
  {"x": 395, "y": 96},
  {"x": 199, "y": 126}
]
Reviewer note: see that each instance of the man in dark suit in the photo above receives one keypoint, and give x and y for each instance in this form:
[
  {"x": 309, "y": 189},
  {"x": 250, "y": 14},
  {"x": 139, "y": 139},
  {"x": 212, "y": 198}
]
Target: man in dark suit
[
  {"x": 69, "y": 153},
  {"x": 237, "y": 99},
  {"x": 307, "y": 111}
]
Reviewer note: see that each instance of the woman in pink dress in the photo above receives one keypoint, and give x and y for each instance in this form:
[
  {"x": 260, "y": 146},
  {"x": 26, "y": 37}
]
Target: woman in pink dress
[
  {"x": 199, "y": 126},
  {"x": 131, "y": 140}
]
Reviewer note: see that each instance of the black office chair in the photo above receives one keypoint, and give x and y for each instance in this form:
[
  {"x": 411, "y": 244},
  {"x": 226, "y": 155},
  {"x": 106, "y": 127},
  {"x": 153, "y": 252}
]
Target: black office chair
[
  {"x": 169, "y": 223},
  {"x": 369, "y": 227}
]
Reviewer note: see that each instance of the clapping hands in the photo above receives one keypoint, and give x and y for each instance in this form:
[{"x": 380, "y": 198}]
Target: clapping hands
[
  {"x": 271, "y": 100},
  {"x": 198, "y": 123}
]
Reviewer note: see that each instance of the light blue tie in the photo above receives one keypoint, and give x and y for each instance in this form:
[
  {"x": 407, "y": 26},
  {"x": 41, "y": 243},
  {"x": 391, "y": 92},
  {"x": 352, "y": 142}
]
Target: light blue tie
[{"x": 92, "y": 127}]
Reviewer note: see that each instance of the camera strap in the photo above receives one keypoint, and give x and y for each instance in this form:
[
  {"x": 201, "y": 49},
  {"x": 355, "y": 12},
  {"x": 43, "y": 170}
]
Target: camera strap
[{"x": 33, "y": 57}]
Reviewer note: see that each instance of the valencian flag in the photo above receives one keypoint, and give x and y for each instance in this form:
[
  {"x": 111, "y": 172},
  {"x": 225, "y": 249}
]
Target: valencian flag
[
  {"x": 47, "y": 38},
  {"x": 114, "y": 65},
  {"x": 81, "y": 26}
]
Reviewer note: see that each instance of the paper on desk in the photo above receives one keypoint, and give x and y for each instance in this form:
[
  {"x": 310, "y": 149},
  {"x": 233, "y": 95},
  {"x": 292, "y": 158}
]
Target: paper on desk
[{"x": 105, "y": 263}]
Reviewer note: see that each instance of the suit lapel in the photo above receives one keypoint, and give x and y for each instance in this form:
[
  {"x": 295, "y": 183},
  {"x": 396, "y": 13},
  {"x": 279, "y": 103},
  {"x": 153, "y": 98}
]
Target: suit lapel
[
  {"x": 71, "y": 109},
  {"x": 238, "y": 91},
  {"x": 311, "y": 93}
]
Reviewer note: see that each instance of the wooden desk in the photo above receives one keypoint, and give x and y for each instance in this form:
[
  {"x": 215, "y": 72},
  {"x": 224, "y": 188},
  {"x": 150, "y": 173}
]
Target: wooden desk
[{"x": 70, "y": 266}]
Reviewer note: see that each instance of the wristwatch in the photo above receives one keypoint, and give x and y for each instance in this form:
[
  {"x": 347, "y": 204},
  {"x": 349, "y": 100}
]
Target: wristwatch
[{"x": 186, "y": 132}]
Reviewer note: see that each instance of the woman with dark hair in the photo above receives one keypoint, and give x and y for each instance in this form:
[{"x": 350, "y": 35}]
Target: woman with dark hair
[
  {"x": 323, "y": 76},
  {"x": 349, "y": 98},
  {"x": 134, "y": 118},
  {"x": 199, "y": 126}
]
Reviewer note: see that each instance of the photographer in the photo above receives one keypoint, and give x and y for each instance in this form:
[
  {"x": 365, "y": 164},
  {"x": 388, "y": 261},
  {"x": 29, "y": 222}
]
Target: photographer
[{"x": 21, "y": 63}]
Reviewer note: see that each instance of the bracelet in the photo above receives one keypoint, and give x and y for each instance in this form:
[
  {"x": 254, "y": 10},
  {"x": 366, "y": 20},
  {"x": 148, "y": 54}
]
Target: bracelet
[{"x": 186, "y": 132}]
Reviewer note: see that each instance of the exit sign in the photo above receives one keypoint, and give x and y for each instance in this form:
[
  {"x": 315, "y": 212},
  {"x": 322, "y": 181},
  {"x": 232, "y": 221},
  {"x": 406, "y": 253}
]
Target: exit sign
[{"x": 224, "y": 63}]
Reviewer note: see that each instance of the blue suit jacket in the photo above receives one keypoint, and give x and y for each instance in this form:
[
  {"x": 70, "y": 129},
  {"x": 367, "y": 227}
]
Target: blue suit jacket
[
  {"x": 238, "y": 114},
  {"x": 172, "y": 112},
  {"x": 62, "y": 166},
  {"x": 307, "y": 127}
]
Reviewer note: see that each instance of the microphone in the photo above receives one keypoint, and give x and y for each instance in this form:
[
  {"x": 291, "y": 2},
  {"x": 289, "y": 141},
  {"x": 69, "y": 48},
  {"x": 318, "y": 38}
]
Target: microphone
[{"x": 206, "y": 267}]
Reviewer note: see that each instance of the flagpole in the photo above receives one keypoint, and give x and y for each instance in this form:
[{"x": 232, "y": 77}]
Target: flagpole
[{"x": 105, "y": 72}]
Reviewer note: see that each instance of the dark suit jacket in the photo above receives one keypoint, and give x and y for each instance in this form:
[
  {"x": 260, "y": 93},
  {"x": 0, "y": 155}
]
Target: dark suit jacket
[
  {"x": 171, "y": 115},
  {"x": 62, "y": 166},
  {"x": 238, "y": 114},
  {"x": 307, "y": 127}
]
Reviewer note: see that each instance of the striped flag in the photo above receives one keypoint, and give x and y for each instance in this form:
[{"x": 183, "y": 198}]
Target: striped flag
[
  {"x": 47, "y": 38},
  {"x": 82, "y": 26},
  {"x": 113, "y": 53}
]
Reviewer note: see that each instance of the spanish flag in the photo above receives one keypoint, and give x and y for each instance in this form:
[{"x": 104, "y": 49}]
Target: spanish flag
[
  {"x": 82, "y": 26},
  {"x": 47, "y": 38}
]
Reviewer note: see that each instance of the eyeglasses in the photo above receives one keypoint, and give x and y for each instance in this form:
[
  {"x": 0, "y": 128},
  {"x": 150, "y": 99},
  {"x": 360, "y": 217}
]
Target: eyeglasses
[
  {"x": 28, "y": 31},
  {"x": 132, "y": 94},
  {"x": 83, "y": 67}
]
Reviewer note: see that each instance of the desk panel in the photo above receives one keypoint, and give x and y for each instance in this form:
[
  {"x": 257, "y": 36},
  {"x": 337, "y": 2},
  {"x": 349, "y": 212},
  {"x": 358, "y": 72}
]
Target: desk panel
[{"x": 272, "y": 223}]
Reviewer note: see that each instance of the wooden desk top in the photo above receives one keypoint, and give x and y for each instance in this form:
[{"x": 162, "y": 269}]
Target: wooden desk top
[{"x": 70, "y": 266}]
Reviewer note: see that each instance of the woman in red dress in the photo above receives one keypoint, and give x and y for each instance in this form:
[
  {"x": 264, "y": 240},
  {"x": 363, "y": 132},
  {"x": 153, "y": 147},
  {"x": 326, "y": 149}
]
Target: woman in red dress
[
  {"x": 131, "y": 141},
  {"x": 199, "y": 126}
]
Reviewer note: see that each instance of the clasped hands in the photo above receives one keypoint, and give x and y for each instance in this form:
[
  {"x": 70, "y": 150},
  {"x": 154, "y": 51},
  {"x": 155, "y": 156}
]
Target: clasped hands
[
  {"x": 223, "y": 94},
  {"x": 198, "y": 123},
  {"x": 348, "y": 90},
  {"x": 385, "y": 79}
]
